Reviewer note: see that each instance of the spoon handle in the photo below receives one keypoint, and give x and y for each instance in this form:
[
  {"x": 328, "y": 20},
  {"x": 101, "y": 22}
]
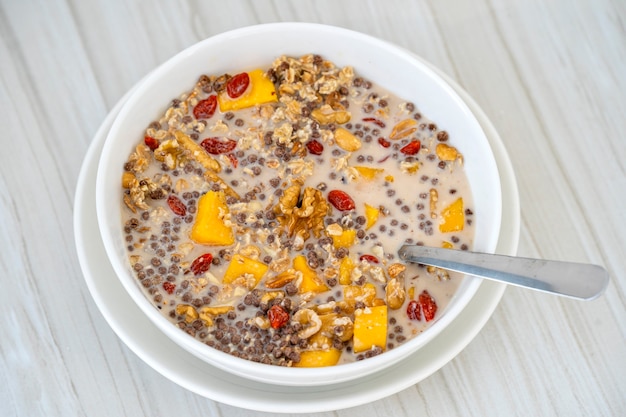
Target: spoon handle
[{"x": 569, "y": 279}]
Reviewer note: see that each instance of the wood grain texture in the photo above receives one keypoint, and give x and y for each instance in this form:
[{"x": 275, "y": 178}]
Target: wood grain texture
[{"x": 550, "y": 75}]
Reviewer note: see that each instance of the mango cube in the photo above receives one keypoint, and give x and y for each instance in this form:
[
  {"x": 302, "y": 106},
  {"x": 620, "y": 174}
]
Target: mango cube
[
  {"x": 370, "y": 328},
  {"x": 310, "y": 281},
  {"x": 261, "y": 91},
  {"x": 453, "y": 217},
  {"x": 345, "y": 239},
  {"x": 371, "y": 215},
  {"x": 318, "y": 358},
  {"x": 367, "y": 172},
  {"x": 241, "y": 265},
  {"x": 209, "y": 228},
  {"x": 345, "y": 270}
]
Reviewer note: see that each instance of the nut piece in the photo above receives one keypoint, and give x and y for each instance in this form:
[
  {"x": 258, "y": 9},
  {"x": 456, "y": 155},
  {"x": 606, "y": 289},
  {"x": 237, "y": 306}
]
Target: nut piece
[
  {"x": 434, "y": 197},
  {"x": 346, "y": 140},
  {"x": 310, "y": 321},
  {"x": 403, "y": 129},
  {"x": 208, "y": 313},
  {"x": 127, "y": 179},
  {"x": 395, "y": 294},
  {"x": 188, "y": 311},
  {"x": 281, "y": 279}
]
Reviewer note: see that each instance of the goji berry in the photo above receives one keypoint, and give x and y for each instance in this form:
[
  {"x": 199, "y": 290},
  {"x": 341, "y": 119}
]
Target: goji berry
[
  {"x": 233, "y": 160},
  {"x": 214, "y": 146},
  {"x": 151, "y": 142},
  {"x": 341, "y": 200},
  {"x": 201, "y": 264},
  {"x": 205, "y": 108},
  {"x": 169, "y": 287},
  {"x": 413, "y": 310},
  {"x": 384, "y": 142},
  {"x": 315, "y": 147},
  {"x": 277, "y": 316},
  {"x": 369, "y": 258},
  {"x": 177, "y": 206},
  {"x": 377, "y": 122},
  {"x": 411, "y": 148},
  {"x": 429, "y": 306},
  {"x": 238, "y": 85}
]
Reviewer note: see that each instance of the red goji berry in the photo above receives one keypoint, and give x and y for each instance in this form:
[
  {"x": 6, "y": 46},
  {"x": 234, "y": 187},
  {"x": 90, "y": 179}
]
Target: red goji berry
[
  {"x": 233, "y": 160},
  {"x": 377, "y": 122},
  {"x": 205, "y": 108},
  {"x": 369, "y": 258},
  {"x": 341, "y": 200},
  {"x": 201, "y": 264},
  {"x": 428, "y": 304},
  {"x": 315, "y": 147},
  {"x": 177, "y": 206},
  {"x": 413, "y": 310},
  {"x": 384, "y": 142},
  {"x": 169, "y": 287},
  {"x": 411, "y": 148},
  {"x": 277, "y": 316},
  {"x": 214, "y": 146},
  {"x": 151, "y": 142},
  {"x": 237, "y": 85}
]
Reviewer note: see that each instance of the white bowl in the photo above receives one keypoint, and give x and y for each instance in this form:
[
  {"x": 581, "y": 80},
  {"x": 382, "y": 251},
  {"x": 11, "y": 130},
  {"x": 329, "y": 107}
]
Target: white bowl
[{"x": 388, "y": 66}]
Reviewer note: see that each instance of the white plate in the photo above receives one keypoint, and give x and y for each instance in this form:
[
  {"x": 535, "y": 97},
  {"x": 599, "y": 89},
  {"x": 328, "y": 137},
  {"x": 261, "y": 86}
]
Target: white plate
[{"x": 170, "y": 360}]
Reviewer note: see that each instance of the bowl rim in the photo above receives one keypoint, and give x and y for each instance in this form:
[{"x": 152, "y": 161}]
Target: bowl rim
[{"x": 244, "y": 367}]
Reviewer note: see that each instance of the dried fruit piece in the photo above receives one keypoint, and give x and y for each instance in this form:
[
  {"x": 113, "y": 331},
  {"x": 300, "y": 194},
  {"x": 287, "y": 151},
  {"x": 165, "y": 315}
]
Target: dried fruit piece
[
  {"x": 151, "y": 142},
  {"x": 261, "y": 91},
  {"x": 201, "y": 264},
  {"x": 277, "y": 316},
  {"x": 195, "y": 151},
  {"x": 377, "y": 122},
  {"x": 369, "y": 258},
  {"x": 413, "y": 310},
  {"x": 345, "y": 270},
  {"x": 310, "y": 281},
  {"x": 209, "y": 227},
  {"x": 367, "y": 172},
  {"x": 214, "y": 146},
  {"x": 318, "y": 358},
  {"x": 241, "y": 266},
  {"x": 370, "y": 328},
  {"x": 411, "y": 148},
  {"x": 403, "y": 129},
  {"x": 315, "y": 147},
  {"x": 169, "y": 287},
  {"x": 453, "y": 217},
  {"x": 346, "y": 140},
  {"x": 205, "y": 108},
  {"x": 237, "y": 85},
  {"x": 371, "y": 215},
  {"x": 384, "y": 142},
  {"x": 344, "y": 239},
  {"x": 177, "y": 206},
  {"x": 428, "y": 305},
  {"x": 341, "y": 200}
]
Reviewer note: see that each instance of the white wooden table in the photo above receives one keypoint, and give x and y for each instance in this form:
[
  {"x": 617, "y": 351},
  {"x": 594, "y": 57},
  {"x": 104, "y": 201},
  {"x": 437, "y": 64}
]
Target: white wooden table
[{"x": 551, "y": 76}]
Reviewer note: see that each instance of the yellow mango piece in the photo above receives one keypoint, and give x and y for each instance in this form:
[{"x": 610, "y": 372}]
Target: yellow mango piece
[
  {"x": 365, "y": 294},
  {"x": 240, "y": 265},
  {"x": 209, "y": 227},
  {"x": 318, "y": 358},
  {"x": 367, "y": 172},
  {"x": 447, "y": 245},
  {"x": 261, "y": 90},
  {"x": 345, "y": 239},
  {"x": 370, "y": 328},
  {"x": 310, "y": 281},
  {"x": 389, "y": 178},
  {"x": 345, "y": 270},
  {"x": 371, "y": 215},
  {"x": 452, "y": 217}
]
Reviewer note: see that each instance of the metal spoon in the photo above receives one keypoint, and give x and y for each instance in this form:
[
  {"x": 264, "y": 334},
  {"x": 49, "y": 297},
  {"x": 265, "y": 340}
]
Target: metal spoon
[{"x": 569, "y": 279}]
